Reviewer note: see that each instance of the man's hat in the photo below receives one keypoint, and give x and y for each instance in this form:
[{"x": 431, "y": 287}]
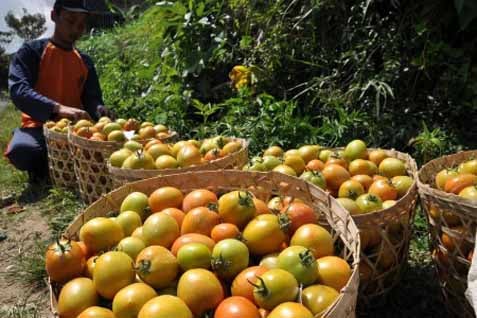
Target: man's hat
[{"x": 73, "y": 5}]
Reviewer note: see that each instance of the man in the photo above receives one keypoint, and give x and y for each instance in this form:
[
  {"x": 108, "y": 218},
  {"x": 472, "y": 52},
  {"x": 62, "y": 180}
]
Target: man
[{"x": 50, "y": 79}]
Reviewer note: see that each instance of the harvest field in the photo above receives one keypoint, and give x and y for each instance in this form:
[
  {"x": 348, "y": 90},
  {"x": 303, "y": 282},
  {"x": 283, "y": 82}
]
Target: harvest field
[{"x": 395, "y": 74}]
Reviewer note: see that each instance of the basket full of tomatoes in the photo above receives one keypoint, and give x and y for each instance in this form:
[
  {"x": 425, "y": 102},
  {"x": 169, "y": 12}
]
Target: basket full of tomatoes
[
  {"x": 208, "y": 243},
  {"x": 92, "y": 144},
  {"x": 448, "y": 191},
  {"x": 376, "y": 186},
  {"x": 137, "y": 162}
]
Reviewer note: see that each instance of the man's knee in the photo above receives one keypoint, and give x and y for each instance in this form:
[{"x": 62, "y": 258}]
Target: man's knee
[{"x": 25, "y": 156}]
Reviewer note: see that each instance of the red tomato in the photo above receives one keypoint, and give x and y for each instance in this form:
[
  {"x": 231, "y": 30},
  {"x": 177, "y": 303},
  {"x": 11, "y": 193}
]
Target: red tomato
[
  {"x": 299, "y": 214},
  {"x": 199, "y": 220},
  {"x": 224, "y": 231},
  {"x": 236, "y": 307},
  {"x": 241, "y": 284},
  {"x": 64, "y": 260}
]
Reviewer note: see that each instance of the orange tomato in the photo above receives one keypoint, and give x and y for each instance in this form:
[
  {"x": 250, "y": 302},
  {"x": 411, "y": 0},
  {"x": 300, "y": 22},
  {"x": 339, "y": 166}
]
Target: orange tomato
[
  {"x": 199, "y": 220},
  {"x": 191, "y": 238},
  {"x": 64, "y": 260},
  {"x": 384, "y": 189},
  {"x": 165, "y": 197},
  {"x": 299, "y": 214},
  {"x": 377, "y": 156},
  {"x": 177, "y": 214},
  {"x": 198, "y": 198},
  {"x": 459, "y": 182},
  {"x": 236, "y": 307},
  {"x": 335, "y": 175},
  {"x": 260, "y": 207},
  {"x": 337, "y": 161},
  {"x": 350, "y": 189},
  {"x": 224, "y": 231},
  {"x": 365, "y": 180},
  {"x": 241, "y": 285},
  {"x": 333, "y": 271},
  {"x": 315, "y": 165}
]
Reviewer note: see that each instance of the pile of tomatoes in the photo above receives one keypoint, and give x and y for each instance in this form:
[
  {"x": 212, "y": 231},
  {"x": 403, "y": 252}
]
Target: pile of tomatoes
[
  {"x": 461, "y": 181},
  {"x": 199, "y": 254},
  {"x": 108, "y": 130},
  {"x": 186, "y": 153},
  {"x": 363, "y": 180}
]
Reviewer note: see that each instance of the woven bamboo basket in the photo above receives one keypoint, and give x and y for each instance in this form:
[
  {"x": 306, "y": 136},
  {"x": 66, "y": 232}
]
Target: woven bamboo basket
[
  {"x": 385, "y": 237},
  {"x": 263, "y": 185},
  {"x": 453, "y": 219},
  {"x": 233, "y": 161},
  {"x": 60, "y": 161}
]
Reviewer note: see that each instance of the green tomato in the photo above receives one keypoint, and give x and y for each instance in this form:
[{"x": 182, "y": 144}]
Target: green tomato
[
  {"x": 194, "y": 255},
  {"x": 355, "y": 150},
  {"x": 299, "y": 261},
  {"x": 369, "y": 203},
  {"x": 229, "y": 257},
  {"x": 271, "y": 162},
  {"x": 274, "y": 287},
  {"x": 314, "y": 177}
]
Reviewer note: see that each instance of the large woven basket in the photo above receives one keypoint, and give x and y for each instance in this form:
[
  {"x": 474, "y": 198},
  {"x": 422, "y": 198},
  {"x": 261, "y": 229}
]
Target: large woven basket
[
  {"x": 445, "y": 212},
  {"x": 60, "y": 161},
  {"x": 263, "y": 185},
  {"x": 385, "y": 237},
  {"x": 233, "y": 161}
]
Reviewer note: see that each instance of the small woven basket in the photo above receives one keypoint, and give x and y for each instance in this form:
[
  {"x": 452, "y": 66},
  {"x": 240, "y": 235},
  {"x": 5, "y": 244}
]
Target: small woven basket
[
  {"x": 60, "y": 160},
  {"x": 235, "y": 160},
  {"x": 385, "y": 237},
  {"x": 263, "y": 185},
  {"x": 452, "y": 224}
]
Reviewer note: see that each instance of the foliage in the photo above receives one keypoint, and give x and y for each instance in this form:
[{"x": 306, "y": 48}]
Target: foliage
[
  {"x": 326, "y": 71},
  {"x": 5, "y": 38},
  {"x": 29, "y": 26}
]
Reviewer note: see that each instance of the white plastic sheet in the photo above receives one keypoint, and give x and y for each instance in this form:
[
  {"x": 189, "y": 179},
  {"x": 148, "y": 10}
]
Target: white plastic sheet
[{"x": 471, "y": 292}]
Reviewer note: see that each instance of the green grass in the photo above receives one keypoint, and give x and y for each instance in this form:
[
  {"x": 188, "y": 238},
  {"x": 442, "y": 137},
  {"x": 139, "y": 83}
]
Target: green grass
[{"x": 22, "y": 309}]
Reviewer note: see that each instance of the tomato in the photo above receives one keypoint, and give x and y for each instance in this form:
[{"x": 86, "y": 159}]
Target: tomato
[
  {"x": 89, "y": 268},
  {"x": 389, "y": 203},
  {"x": 384, "y": 189},
  {"x": 468, "y": 167},
  {"x": 199, "y": 220},
  {"x": 457, "y": 240},
  {"x": 365, "y": 180},
  {"x": 315, "y": 165},
  {"x": 224, "y": 231},
  {"x": 194, "y": 255},
  {"x": 350, "y": 189},
  {"x": 295, "y": 162},
  {"x": 369, "y": 203},
  {"x": 212, "y": 154},
  {"x": 241, "y": 284},
  {"x": 131, "y": 246},
  {"x": 309, "y": 152},
  {"x": 151, "y": 143},
  {"x": 271, "y": 162},
  {"x": 369, "y": 238},
  {"x": 129, "y": 221},
  {"x": 177, "y": 214},
  {"x": 96, "y": 312},
  {"x": 299, "y": 261},
  {"x": 160, "y": 229},
  {"x": 336, "y": 160},
  {"x": 274, "y": 287},
  {"x": 128, "y": 301},
  {"x": 260, "y": 207},
  {"x": 165, "y": 306},
  {"x": 391, "y": 167},
  {"x": 229, "y": 257},
  {"x": 189, "y": 155},
  {"x": 376, "y": 156},
  {"x": 318, "y": 298},
  {"x": 198, "y": 198},
  {"x": 101, "y": 234},
  {"x": 192, "y": 238},
  {"x": 314, "y": 177},
  {"x": 299, "y": 213},
  {"x": 356, "y": 149},
  {"x": 270, "y": 261},
  {"x": 349, "y": 205},
  {"x": 231, "y": 147},
  {"x": 139, "y": 234},
  {"x": 236, "y": 307},
  {"x": 291, "y": 152},
  {"x": 361, "y": 166},
  {"x": 469, "y": 193},
  {"x": 275, "y": 151},
  {"x": 333, "y": 271},
  {"x": 201, "y": 290},
  {"x": 315, "y": 238},
  {"x": 442, "y": 177},
  {"x": 335, "y": 175},
  {"x": 402, "y": 184},
  {"x": 166, "y": 162},
  {"x": 156, "y": 266},
  {"x": 64, "y": 261},
  {"x": 459, "y": 182},
  {"x": 237, "y": 207},
  {"x": 290, "y": 310},
  {"x": 137, "y": 202},
  {"x": 113, "y": 271},
  {"x": 76, "y": 296},
  {"x": 118, "y": 157},
  {"x": 158, "y": 150},
  {"x": 264, "y": 234},
  {"x": 450, "y": 218},
  {"x": 165, "y": 197},
  {"x": 285, "y": 170}
]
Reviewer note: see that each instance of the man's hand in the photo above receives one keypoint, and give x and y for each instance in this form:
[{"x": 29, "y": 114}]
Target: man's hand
[
  {"x": 72, "y": 113},
  {"x": 104, "y": 111}
]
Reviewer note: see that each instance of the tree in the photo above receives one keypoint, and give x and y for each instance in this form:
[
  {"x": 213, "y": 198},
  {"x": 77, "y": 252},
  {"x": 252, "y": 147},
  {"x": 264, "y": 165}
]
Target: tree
[
  {"x": 5, "y": 38},
  {"x": 29, "y": 26}
]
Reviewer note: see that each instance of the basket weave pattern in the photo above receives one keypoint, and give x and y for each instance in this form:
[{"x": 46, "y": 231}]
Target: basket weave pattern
[
  {"x": 60, "y": 161},
  {"x": 235, "y": 160},
  {"x": 264, "y": 186},
  {"x": 453, "y": 218}
]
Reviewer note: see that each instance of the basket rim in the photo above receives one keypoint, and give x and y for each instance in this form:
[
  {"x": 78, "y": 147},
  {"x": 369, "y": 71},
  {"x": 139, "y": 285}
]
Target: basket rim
[
  {"x": 118, "y": 171},
  {"x": 426, "y": 189},
  {"x": 347, "y": 296}
]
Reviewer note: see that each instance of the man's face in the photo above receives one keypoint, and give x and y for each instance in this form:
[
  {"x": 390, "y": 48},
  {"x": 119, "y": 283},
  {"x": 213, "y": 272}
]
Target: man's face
[{"x": 70, "y": 26}]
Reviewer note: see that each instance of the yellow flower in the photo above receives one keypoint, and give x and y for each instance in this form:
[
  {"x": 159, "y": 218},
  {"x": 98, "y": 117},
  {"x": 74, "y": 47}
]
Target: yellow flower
[{"x": 240, "y": 76}]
